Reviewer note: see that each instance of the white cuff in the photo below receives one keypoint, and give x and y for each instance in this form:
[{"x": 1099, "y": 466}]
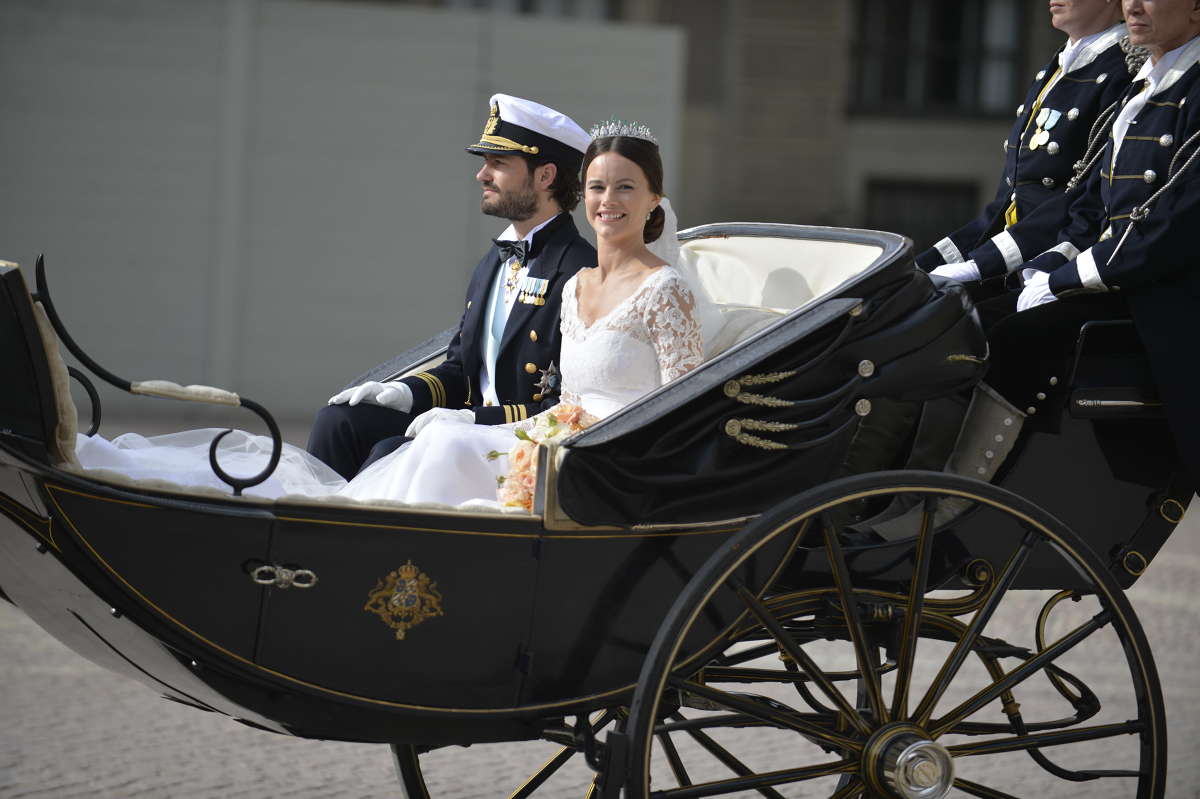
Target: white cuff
[
  {"x": 1008, "y": 248},
  {"x": 949, "y": 250},
  {"x": 1089, "y": 274},
  {"x": 1066, "y": 249}
]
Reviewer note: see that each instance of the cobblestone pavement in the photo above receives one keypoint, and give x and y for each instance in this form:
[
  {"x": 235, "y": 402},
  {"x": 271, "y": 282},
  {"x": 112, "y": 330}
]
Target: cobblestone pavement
[{"x": 71, "y": 729}]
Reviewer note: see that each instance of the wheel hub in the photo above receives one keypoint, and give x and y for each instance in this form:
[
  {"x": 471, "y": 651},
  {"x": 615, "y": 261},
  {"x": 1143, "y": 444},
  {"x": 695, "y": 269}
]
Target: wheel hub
[{"x": 901, "y": 761}]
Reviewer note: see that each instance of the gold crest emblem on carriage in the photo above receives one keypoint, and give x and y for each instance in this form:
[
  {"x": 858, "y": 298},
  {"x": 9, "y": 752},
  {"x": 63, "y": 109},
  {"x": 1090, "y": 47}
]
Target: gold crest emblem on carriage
[{"x": 404, "y": 599}]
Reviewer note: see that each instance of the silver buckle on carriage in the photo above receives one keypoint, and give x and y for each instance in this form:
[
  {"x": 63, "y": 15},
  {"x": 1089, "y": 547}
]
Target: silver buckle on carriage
[{"x": 283, "y": 577}]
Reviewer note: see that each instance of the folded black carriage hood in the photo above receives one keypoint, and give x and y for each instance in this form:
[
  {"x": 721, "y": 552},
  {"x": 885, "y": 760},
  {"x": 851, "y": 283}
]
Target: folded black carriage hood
[{"x": 674, "y": 457}]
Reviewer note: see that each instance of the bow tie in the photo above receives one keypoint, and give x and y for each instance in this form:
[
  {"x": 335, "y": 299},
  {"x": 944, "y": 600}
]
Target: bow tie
[{"x": 512, "y": 249}]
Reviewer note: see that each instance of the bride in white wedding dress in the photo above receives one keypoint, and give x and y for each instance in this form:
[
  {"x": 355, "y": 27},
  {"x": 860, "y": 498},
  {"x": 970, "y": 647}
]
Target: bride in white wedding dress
[{"x": 629, "y": 325}]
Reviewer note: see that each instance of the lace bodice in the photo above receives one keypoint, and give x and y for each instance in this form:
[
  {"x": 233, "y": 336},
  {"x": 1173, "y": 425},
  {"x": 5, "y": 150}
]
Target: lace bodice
[{"x": 650, "y": 338}]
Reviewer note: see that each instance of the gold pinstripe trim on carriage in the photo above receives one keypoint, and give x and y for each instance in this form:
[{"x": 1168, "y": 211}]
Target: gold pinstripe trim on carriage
[
  {"x": 573, "y": 701},
  {"x": 655, "y": 531},
  {"x": 18, "y": 514},
  {"x": 437, "y": 390}
]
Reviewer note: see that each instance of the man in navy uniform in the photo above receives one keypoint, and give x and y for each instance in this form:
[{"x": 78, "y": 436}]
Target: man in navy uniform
[
  {"x": 1051, "y": 132},
  {"x": 501, "y": 364},
  {"x": 1122, "y": 241}
]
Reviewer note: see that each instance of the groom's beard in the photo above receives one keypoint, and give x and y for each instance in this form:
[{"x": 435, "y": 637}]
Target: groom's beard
[{"x": 516, "y": 205}]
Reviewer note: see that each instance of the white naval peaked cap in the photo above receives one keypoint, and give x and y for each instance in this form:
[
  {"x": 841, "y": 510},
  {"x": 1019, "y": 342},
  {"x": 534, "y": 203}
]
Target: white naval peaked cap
[{"x": 517, "y": 125}]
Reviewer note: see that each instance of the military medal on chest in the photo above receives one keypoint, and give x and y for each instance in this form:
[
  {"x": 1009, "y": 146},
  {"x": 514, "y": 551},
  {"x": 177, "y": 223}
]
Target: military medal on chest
[
  {"x": 510, "y": 281},
  {"x": 533, "y": 290},
  {"x": 1047, "y": 118}
]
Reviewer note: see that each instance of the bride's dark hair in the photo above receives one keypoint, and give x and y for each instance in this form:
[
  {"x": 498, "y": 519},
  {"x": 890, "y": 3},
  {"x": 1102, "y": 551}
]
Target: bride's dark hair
[{"x": 644, "y": 153}]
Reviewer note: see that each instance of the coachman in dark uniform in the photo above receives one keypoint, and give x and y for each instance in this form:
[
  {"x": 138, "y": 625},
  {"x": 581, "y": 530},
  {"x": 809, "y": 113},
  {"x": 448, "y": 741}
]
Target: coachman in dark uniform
[
  {"x": 1122, "y": 241},
  {"x": 501, "y": 364},
  {"x": 1053, "y": 125}
]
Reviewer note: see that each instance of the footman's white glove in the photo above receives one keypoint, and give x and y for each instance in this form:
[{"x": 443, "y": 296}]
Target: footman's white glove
[
  {"x": 963, "y": 272},
  {"x": 396, "y": 396},
  {"x": 465, "y": 415},
  {"x": 1036, "y": 292}
]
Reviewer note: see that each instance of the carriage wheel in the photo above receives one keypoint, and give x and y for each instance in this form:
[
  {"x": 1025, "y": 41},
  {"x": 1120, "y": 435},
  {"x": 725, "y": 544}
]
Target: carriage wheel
[{"x": 959, "y": 678}]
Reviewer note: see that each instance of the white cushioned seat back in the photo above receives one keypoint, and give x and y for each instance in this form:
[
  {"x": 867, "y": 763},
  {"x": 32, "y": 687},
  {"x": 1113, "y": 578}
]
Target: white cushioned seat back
[
  {"x": 772, "y": 272},
  {"x": 754, "y": 280}
]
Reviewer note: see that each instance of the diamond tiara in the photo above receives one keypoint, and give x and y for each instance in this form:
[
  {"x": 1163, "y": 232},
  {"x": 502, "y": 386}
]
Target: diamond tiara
[{"x": 619, "y": 127}]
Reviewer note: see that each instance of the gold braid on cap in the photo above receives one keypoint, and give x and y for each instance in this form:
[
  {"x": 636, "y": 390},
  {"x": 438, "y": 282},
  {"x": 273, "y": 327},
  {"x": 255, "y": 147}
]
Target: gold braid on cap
[{"x": 619, "y": 127}]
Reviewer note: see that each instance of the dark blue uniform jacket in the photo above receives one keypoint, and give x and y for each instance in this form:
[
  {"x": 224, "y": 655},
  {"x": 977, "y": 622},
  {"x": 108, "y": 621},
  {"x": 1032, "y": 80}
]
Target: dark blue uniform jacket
[
  {"x": 531, "y": 338},
  {"x": 1097, "y": 77},
  {"x": 1088, "y": 242}
]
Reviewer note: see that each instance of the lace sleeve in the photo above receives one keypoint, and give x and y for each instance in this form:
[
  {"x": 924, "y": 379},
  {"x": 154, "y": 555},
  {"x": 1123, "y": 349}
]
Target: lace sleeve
[{"x": 670, "y": 317}]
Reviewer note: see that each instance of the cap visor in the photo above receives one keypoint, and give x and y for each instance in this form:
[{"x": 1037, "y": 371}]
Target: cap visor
[{"x": 488, "y": 149}]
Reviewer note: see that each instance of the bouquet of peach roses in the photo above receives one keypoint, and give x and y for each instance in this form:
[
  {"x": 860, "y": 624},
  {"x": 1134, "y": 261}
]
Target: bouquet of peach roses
[{"x": 517, "y": 488}]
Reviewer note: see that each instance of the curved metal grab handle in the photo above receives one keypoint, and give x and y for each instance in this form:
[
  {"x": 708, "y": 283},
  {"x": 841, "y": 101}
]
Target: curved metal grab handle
[
  {"x": 236, "y": 483},
  {"x": 239, "y": 483},
  {"x": 92, "y": 396}
]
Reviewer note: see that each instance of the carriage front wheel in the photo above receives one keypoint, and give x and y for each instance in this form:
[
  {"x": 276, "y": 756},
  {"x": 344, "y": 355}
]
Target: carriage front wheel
[{"x": 933, "y": 636}]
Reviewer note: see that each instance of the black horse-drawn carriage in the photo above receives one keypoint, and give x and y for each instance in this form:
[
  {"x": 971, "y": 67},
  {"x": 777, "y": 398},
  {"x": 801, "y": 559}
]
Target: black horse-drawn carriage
[{"x": 830, "y": 544}]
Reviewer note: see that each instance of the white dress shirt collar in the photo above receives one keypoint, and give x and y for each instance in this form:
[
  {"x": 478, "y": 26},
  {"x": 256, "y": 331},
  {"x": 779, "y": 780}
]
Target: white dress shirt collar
[
  {"x": 1166, "y": 72},
  {"x": 1078, "y": 54},
  {"x": 510, "y": 232}
]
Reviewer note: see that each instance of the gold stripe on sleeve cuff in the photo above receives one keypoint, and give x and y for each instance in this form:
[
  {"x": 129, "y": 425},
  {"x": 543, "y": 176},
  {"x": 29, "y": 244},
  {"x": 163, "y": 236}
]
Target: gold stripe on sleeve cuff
[{"x": 436, "y": 390}]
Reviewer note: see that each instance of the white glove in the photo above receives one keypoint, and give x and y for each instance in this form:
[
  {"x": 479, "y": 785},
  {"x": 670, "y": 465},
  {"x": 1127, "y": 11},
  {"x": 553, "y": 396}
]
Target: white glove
[
  {"x": 961, "y": 273},
  {"x": 465, "y": 415},
  {"x": 396, "y": 396},
  {"x": 1037, "y": 290}
]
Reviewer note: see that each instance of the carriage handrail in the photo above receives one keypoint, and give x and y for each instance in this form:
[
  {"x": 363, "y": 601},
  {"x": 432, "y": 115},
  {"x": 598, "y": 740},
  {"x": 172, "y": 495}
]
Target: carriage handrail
[{"x": 166, "y": 390}]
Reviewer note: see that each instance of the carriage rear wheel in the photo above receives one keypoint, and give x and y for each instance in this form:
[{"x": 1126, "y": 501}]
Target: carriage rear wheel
[{"x": 946, "y": 661}]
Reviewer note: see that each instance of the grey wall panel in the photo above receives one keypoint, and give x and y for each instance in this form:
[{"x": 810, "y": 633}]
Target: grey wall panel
[
  {"x": 359, "y": 190},
  {"x": 107, "y": 142},
  {"x": 272, "y": 195}
]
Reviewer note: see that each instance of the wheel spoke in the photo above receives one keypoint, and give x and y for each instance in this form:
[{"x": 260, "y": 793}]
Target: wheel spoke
[
  {"x": 1020, "y": 673},
  {"x": 548, "y": 769},
  {"x": 675, "y": 761},
  {"x": 539, "y": 777},
  {"x": 758, "y": 781},
  {"x": 786, "y": 719},
  {"x": 727, "y": 758},
  {"x": 802, "y": 659},
  {"x": 982, "y": 791},
  {"x": 911, "y": 631},
  {"x": 866, "y": 665},
  {"x": 1023, "y": 742},
  {"x": 853, "y": 789},
  {"x": 966, "y": 643}
]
